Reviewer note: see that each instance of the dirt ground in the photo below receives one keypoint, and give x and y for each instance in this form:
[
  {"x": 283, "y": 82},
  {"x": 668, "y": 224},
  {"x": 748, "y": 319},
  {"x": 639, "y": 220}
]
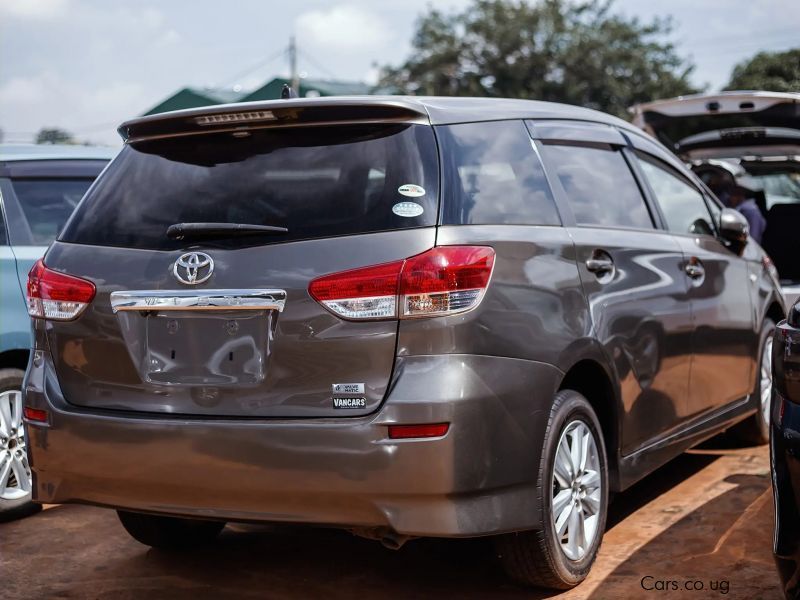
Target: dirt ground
[{"x": 702, "y": 524}]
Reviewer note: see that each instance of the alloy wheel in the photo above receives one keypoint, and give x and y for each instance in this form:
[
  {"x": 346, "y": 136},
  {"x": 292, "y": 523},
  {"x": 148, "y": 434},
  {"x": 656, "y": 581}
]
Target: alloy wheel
[
  {"x": 15, "y": 473},
  {"x": 577, "y": 490}
]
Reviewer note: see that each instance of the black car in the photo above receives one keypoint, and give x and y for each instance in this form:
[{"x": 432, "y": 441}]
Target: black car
[{"x": 785, "y": 450}]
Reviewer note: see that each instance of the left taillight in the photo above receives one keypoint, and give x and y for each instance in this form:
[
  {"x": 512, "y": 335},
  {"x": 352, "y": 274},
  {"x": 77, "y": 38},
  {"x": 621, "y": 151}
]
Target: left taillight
[
  {"x": 445, "y": 280},
  {"x": 56, "y": 296}
]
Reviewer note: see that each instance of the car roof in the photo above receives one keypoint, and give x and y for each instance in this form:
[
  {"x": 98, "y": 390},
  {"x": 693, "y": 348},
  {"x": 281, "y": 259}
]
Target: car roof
[
  {"x": 428, "y": 109},
  {"x": 32, "y": 152}
]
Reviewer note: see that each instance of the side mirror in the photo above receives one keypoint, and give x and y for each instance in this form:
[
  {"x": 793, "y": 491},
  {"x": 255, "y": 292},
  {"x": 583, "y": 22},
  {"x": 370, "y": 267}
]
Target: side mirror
[{"x": 733, "y": 229}]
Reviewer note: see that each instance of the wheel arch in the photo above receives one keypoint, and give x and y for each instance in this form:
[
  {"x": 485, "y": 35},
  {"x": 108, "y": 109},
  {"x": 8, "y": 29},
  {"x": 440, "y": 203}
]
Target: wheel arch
[
  {"x": 590, "y": 378},
  {"x": 775, "y": 311}
]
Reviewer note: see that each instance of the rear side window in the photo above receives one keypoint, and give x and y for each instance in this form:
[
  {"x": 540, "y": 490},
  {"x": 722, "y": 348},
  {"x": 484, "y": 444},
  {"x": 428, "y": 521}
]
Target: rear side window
[
  {"x": 47, "y": 204},
  {"x": 316, "y": 181},
  {"x": 493, "y": 176},
  {"x": 599, "y": 186},
  {"x": 683, "y": 205}
]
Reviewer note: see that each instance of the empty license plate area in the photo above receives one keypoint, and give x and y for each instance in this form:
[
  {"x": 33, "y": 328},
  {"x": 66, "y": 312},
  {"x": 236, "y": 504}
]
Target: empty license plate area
[{"x": 226, "y": 347}]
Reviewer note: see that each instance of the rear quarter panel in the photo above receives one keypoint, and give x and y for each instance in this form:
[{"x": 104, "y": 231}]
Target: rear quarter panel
[{"x": 534, "y": 308}]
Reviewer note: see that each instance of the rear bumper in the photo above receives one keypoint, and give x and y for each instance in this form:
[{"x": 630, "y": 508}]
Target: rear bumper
[{"x": 478, "y": 479}]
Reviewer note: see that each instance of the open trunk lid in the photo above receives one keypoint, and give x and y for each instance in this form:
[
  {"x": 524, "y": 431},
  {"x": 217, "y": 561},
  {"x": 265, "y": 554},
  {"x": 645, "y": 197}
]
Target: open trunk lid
[
  {"x": 224, "y": 325},
  {"x": 738, "y": 118}
]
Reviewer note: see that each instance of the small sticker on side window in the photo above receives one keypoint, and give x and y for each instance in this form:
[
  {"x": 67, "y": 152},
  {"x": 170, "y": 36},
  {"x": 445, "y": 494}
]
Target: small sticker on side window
[
  {"x": 407, "y": 209},
  {"x": 411, "y": 190}
]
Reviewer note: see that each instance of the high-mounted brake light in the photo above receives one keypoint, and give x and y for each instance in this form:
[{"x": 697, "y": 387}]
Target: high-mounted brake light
[
  {"x": 242, "y": 117},
  {"x": 442, "y": 281},
  {"x": 55, "y": 296}
]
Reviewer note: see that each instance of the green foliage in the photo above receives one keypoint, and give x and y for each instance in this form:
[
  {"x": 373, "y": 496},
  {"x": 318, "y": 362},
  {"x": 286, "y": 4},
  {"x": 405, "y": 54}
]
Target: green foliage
[
  {"x": 558, "y": 50},
  {"x": 768, "y": 71},
  {"x": 54, "y": 136}
]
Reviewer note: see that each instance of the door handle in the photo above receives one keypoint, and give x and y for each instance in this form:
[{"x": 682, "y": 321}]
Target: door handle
[
  {"x": 599, "y": 264},
  {"x": 694, "y": 269}
]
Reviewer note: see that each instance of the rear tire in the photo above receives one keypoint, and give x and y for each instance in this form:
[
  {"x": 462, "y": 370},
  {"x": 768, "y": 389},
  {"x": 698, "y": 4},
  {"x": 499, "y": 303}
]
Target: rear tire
[
  {"x": 755, "y": 429},
  {"x": 168, "y": 533},
  {"x": 15, "y": 478},
  {"x": 542, "y": 558}
]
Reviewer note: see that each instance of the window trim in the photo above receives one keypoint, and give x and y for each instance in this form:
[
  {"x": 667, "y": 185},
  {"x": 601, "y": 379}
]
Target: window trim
[
  {"x": 638, "y": 154},
  {"x": 561, "y": 195}
]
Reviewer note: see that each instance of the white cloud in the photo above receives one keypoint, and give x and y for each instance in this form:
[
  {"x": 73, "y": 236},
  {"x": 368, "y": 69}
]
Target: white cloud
[
  {"x": 33, "y": 9},
  {"x": 168, "y": 38},
  {"x": 343, "y": 27},
  {"x": 21, "y": 90},
  {"x": 152, "y": 18},
  {"x": 87, "y": 65},
  {"x": 89, "y": 114}
]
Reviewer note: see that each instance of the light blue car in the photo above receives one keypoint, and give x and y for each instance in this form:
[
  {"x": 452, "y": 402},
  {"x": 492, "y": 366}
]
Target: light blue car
[{"x": 39, "y": 188}]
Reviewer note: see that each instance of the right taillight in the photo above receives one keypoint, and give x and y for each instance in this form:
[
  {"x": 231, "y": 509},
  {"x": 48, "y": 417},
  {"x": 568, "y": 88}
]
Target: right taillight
[
  {"x": 442, "y": 281},
  {"x": 56, "y": 296}
]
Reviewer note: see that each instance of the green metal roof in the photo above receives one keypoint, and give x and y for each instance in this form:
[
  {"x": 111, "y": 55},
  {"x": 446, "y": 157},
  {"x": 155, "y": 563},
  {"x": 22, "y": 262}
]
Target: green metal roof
[
  {"x": 190, "y": 97},
  {"x": 272, "y": 89}
]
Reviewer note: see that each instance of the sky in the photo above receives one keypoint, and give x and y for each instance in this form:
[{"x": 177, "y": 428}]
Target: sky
[{"x": 87, "y": 65}]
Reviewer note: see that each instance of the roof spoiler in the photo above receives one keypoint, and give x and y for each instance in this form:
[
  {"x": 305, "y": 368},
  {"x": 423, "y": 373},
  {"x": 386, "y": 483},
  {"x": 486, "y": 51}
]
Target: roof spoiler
[{"x": 279, "y": 113}]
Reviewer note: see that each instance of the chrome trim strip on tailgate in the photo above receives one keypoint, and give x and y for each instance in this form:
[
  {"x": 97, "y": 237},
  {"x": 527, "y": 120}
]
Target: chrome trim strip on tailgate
[{"x": 198, "y": 300}]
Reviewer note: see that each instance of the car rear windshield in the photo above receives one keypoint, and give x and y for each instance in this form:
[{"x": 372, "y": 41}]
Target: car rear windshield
[{"x": 316, "y": 182}]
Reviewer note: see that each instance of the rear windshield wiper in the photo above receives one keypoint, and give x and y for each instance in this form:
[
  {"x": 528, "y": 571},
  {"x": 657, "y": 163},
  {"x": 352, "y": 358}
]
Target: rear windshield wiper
[{"x": 182, "y": 231}]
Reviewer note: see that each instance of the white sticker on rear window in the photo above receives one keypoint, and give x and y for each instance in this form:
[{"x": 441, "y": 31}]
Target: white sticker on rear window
[
  {"x": 407, "y": 209},
  {"x": 411, "y": 190}
]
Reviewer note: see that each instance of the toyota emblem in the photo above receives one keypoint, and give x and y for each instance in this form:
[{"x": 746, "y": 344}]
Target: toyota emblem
[{"x": 193, "y": 268}]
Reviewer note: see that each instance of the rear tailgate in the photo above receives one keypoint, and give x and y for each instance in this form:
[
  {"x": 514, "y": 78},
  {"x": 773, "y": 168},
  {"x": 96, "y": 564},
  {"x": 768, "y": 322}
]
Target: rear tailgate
[
  {"x": 239, "y": 334},
  {"x": 674, "y": 120}
]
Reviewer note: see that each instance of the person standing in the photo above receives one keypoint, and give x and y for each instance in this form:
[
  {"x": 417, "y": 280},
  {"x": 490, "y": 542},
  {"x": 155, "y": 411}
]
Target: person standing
[{"x": 740, "y": 198}]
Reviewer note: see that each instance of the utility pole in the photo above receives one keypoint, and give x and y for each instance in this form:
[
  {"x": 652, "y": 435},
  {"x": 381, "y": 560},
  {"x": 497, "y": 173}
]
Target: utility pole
[{"x": 294, "y": 76}]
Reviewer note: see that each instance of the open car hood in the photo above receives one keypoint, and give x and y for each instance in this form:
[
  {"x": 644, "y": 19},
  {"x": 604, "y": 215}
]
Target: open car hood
[{"x": 751, "y": 121}]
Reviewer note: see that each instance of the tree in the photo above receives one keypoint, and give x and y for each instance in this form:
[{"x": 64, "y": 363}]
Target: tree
[
  {"x": 557, "y": 50},
  {"x": 54, "y": 135},
  {"x": 770, "y": 71}
]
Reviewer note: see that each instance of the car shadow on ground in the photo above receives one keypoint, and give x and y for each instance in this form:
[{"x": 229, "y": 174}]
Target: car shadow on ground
[
  {"x": 718, "y": 549},
  {"x": 300, "y": 562}
]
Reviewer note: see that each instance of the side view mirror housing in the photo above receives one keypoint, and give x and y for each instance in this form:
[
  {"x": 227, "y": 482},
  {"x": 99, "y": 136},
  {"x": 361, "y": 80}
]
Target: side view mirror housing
[{"x": 733, "y": 229}]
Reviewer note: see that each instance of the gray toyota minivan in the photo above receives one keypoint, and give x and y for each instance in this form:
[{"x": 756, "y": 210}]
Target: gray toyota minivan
[{"x": 405, "y": 317}]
